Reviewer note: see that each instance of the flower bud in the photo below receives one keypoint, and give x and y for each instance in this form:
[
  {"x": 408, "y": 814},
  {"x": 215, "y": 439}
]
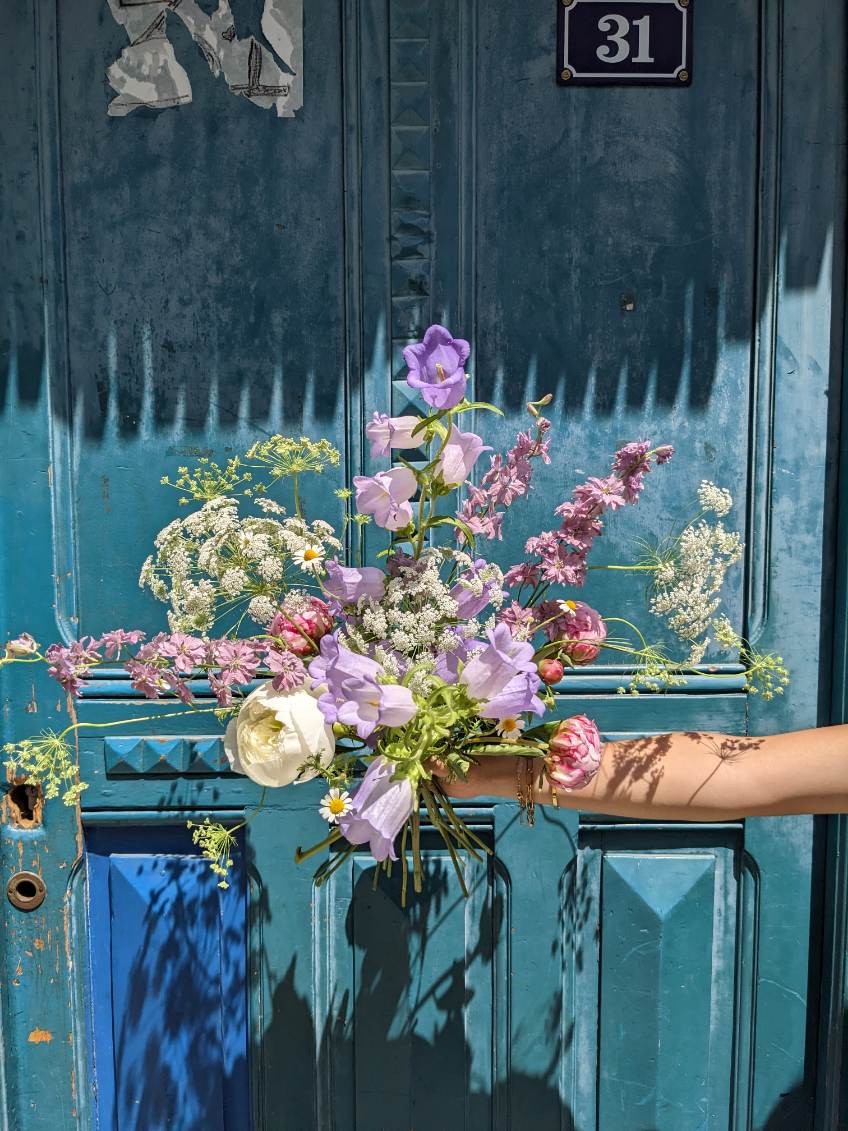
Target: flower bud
[
  {"x": 23, "y": 645},
  {"x": 580, "y": 629},
  {"x": 574, "y": 753},
  {"x": 301, "y": 630},
  {"x": 550, "y": 670}
]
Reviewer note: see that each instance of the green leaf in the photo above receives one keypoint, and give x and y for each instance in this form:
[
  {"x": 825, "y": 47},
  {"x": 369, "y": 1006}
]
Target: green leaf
[
  {"x": 428, "y": 421},
  {"x": 467, "y": 406},
  {"x": 446, "y": 520}
]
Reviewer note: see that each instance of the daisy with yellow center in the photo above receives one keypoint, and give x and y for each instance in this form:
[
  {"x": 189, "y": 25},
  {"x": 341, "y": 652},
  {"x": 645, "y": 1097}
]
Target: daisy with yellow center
[
  {"x": 511, "y": 727},
  {"x": 310, "y": 559},
  {"x": 335, "y": 804}
]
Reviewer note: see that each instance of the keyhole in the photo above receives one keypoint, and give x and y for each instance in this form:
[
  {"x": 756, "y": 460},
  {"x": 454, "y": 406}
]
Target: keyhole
[{"x": 26, "y": 891}]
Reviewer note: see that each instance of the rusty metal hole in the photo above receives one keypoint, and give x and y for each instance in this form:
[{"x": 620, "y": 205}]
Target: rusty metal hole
[
  {"x": 25, "y": 805},
  {"x": 26, "y": 891}
]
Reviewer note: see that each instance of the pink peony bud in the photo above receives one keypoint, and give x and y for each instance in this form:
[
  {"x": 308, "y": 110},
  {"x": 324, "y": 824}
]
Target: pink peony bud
[
  {"x": 550, "y": 670},
  {"x": 574, "y": 753},
  {"x": 581, "y": 630},
  {"x": 302, "y": 630}
]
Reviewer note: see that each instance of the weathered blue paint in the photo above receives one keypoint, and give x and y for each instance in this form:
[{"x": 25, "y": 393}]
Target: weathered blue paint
[
  {"x": 167, "y": 983},
  {"x": 668, "y": 263}
]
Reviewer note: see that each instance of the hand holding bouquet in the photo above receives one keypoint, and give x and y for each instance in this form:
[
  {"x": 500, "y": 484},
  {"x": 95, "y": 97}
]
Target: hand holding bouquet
[{"x": 435, "y": 657}]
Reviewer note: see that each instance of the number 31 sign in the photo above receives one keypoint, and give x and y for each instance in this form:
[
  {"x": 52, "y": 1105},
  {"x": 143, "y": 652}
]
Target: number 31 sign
[{"x": 632, "y": 42}]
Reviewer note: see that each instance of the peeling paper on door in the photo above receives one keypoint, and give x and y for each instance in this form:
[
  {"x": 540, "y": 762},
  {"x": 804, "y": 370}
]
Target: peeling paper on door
[{"x": 147, "y": 73}]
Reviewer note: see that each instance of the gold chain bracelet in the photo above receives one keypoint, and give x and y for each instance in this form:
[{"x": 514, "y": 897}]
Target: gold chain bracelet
[{"x": 524, "y": 789}]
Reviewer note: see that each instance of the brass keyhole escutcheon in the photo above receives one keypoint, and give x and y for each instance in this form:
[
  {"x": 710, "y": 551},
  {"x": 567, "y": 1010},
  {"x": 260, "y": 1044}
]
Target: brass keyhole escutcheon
[{"x": 26, "y": 891}]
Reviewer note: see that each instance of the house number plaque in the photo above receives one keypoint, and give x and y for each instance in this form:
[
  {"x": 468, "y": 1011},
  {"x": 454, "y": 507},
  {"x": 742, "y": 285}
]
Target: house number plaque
[{"x": 624, "y": 42}]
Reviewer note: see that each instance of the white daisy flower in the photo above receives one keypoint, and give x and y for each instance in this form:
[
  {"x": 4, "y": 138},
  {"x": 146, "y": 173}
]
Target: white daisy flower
[
  {"x": 309, "y": 558},
  {"x": 335, "y": 804},
  {"x": 510, "y": 728}
]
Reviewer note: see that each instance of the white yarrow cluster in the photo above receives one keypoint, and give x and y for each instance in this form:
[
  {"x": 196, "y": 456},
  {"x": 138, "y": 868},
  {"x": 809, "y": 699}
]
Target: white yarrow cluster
[
  {"x": 686, "y": 587},
  {"x": 714, "y": 500},
  {"x": 214, "y": 561},
  {"x": 411, "y": 615}
]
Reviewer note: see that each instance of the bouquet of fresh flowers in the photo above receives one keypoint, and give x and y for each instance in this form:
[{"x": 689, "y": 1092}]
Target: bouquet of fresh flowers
[{"x": 435, "y": 658}]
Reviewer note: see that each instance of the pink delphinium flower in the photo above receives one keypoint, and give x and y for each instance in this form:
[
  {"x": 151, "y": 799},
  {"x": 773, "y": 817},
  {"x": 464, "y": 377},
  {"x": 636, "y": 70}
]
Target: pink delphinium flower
[
  {"x": 113, "y": 642},
  {"x": 507, "y": 479},
  {"x": 237, "y": 659},
  {"x": 578, "y": 627},
  {"x": 386, "y": 496},
  {"x": 186, "y": 652},
  {"x": 574, "y": 753},
  {"x": 70, "y": 664},
  {"x": 146, "y": 678},
  {"x": 600, "y": 494},
  {"x": 288, "y": 668},
  {"x": 562, "y": 553},
  {"x": 525, "y": 573},
  {"x": 520, "y": 621}
]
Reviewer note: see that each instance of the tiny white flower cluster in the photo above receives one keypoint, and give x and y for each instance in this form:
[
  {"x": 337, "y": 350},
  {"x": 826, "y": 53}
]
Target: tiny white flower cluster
[
  {"x": 411, "y": 616},
  {"x": 687, "y": 585},
  {"x": 214, "y": 562},
  {"x": 713, "y": 499}
]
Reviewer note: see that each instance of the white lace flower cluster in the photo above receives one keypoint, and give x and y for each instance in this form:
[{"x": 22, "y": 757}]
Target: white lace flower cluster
[
  {"x": 215, "y": 562},
  {"x": 713, "y": 499},
  {"x": 411, "y": 619},
  {"x": 687, "y": 583}
]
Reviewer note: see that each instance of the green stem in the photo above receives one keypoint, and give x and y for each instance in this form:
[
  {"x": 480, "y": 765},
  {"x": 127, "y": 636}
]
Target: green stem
[
  {"x": 646, "y": 566},
  {"x": 404, "y": 865},
  {"x": 255, "y": 812},
  {"x": 457, "y": 821},
  {"x": 444, "y": 832},
  {"x": 304, "y": 854},
  {"x": 416, "y": 848},
  {"x": 141, "y": 719}
]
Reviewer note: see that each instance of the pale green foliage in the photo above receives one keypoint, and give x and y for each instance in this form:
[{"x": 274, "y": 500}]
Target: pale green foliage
[
  {"x": 216, "y": 842},
  {"x": 765, "y": 672},
  {"x": 285, "y": 455},
  {"x": 210, "y": 481},
  {"x": 47, "y": 761}
]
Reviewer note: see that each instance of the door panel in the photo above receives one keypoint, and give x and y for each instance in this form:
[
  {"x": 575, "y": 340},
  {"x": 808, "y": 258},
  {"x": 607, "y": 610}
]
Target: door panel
[{"x": 180, "y": 282}]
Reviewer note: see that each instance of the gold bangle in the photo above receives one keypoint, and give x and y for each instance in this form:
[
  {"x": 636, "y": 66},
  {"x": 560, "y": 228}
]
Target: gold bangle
[{"x": 524, "y": 789}]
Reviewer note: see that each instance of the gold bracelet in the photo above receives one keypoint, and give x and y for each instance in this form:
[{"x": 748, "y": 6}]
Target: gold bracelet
[{"x": 524, "y": 789}]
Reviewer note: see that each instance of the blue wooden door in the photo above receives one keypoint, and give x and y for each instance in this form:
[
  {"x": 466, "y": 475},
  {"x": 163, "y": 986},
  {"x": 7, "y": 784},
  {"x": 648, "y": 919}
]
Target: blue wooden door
[{"x": 185, "y": 276}]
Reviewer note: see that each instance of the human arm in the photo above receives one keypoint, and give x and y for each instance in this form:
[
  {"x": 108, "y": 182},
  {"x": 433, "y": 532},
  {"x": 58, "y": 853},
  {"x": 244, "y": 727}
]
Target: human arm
[{"x": 694, "y": 776}]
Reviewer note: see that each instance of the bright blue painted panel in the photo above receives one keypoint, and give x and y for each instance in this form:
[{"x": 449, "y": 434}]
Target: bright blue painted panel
[{"x": 167, "y": 954}]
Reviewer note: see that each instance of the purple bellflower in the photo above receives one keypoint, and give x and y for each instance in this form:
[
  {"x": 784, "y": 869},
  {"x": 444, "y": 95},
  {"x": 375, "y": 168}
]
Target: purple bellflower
[
  {"x": 436, "y": 367},
  {"x": 380, "y": 809}
]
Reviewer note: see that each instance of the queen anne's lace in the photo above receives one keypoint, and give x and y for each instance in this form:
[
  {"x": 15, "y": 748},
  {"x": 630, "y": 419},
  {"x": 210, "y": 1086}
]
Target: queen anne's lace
[{"x": 215, "y": 563}]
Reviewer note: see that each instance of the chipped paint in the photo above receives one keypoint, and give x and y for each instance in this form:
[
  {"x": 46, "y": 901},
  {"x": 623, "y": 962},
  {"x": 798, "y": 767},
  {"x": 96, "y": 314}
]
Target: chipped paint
[
  {"x": 40, "y": 1037},
  {"x": 148, "y": 73}
]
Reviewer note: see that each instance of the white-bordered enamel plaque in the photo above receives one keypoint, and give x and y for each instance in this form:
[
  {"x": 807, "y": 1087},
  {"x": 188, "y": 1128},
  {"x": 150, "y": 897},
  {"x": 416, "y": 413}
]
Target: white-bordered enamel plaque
[{"x": 627, "y": 42}]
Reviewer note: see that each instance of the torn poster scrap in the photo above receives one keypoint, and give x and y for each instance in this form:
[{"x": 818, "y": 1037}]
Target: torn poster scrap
[{"x": 268, "y": 73}]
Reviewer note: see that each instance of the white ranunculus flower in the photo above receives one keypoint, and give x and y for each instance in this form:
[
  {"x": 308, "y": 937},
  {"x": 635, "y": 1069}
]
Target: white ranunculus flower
[{"x": 274, "y": 733}]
